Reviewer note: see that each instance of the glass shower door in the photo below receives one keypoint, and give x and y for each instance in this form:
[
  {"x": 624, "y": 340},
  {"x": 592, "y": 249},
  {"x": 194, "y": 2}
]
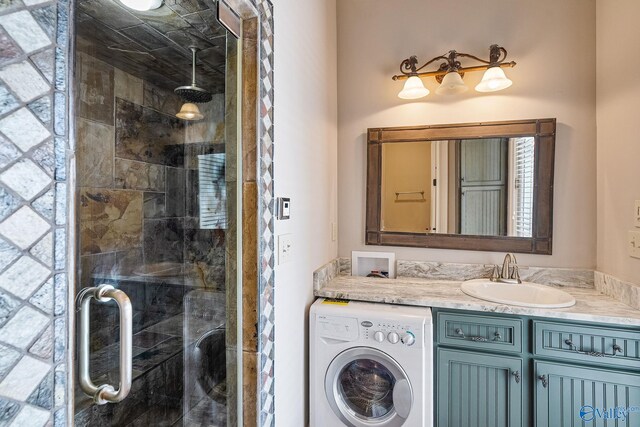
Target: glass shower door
[{"x": 156, "y": 208}]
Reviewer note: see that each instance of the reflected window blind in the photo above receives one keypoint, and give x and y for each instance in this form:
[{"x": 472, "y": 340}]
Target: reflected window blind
[
  {"x": 212, "y": 191},
  {"x": 524, "y": 175}
]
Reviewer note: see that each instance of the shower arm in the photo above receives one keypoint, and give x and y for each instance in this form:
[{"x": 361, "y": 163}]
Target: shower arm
[{"x": 193, "y": 66}]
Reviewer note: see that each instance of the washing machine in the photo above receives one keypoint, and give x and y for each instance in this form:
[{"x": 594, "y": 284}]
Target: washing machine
[{"x": 370, "y": 365}]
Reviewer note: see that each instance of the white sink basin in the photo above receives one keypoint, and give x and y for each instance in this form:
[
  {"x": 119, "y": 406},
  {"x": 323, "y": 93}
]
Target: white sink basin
[{"x": 524, "y": 294}]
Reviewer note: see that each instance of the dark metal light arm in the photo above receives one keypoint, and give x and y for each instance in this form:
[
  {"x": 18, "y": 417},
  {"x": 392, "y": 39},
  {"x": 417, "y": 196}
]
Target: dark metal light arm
[
  {"x": 497, "y": 56},
  {"x": 437, "y": 58},
  {"x": 411, "y": 62},
  {"x": 460, "y": 70}
]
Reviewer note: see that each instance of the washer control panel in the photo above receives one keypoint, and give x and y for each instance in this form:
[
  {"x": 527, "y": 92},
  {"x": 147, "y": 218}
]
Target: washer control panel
[
  {"x": 338, "y": 327},
  {"x": 398, "y": 333}
]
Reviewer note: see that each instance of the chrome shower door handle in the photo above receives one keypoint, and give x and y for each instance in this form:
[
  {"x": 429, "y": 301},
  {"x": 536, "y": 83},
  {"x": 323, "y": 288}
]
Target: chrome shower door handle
[{"x": 105, "y": 393}]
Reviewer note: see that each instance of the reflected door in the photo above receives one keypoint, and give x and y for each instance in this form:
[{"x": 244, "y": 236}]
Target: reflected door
[{"x": 483, "y": 186}]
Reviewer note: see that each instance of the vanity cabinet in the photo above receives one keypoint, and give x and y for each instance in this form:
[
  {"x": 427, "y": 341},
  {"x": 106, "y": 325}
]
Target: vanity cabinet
[
  {"x": 504, "y": 370},
  {"x": 567, "y": 395},
  {"x": 479, "y": 389}
]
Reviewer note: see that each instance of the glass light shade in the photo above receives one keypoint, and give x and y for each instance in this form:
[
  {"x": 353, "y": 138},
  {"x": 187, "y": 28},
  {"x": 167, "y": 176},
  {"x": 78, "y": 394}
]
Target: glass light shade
[
  {"x": 142, "y": 5},
  {"x": 493, "y": 80},
  {"x": 452, "y": 84},
  {"x": 189, "y": 112},
  {"x": 413, "y": 89}
]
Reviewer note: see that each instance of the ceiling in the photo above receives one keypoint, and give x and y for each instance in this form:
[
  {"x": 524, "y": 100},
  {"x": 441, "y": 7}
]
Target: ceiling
[{"x": 154, "y": 45}]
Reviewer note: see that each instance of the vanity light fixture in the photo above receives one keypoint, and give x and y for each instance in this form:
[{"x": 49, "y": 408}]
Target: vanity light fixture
[
  {"x": 451, "y": 72},
  {"x": 142, "y": 5}
]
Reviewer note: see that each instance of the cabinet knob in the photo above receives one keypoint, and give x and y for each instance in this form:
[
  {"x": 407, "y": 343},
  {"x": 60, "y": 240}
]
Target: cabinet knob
[
  {"x": 544, "y": 380},
  {"x": 516, "y": 375}
]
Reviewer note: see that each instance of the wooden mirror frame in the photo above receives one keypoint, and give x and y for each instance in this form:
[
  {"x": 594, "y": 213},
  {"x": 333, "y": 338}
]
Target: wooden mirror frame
[{"x": 544, "y": 132}]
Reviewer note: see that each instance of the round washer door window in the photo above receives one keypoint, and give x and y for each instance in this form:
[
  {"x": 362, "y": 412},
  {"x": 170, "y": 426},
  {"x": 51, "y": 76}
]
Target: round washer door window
[{"x": 366, "y": 387}]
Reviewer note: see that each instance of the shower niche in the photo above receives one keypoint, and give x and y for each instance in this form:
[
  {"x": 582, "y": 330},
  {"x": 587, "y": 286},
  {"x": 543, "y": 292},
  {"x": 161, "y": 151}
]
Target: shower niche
[{"x": 156, "y": 210}]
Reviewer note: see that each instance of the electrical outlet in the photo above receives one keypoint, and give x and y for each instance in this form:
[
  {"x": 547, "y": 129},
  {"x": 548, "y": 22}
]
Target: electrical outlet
[
  {"x": 334, "y": 231},
  {"x": 285, "y": 247},
  {"x": 634, "y": 244},
  {"x": 636, "y": 213}
]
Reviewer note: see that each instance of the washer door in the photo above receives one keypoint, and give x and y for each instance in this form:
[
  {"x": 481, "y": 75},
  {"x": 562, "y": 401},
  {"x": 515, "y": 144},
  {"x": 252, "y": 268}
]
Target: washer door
[{"x": 366, "y": 387}]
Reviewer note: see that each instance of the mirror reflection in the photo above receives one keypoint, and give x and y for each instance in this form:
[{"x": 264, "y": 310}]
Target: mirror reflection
[{"x": 482, "y": 186}]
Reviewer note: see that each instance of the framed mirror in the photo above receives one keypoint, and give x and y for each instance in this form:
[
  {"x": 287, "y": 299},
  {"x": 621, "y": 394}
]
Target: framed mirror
[{"x": 474, "y": 186}]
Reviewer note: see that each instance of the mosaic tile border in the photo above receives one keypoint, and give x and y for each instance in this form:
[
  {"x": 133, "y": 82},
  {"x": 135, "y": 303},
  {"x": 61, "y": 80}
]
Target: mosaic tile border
[
  {"x": 34, "y": 41},
  {"x": 266, "y": 285}
]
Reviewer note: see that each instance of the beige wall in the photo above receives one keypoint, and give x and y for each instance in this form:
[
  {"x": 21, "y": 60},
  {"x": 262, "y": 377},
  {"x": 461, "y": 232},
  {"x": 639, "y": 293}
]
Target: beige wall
[
  {"x": 305, "y": 169},
  {"x": 618, "y": 103},
  {"x": 406, "y": 167},
  {"x": 554, "y": 45}
]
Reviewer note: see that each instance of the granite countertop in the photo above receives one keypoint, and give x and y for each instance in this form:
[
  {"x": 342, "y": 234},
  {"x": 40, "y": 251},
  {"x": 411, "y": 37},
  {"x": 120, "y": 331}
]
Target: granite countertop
[{"x": 591, "y": 305}]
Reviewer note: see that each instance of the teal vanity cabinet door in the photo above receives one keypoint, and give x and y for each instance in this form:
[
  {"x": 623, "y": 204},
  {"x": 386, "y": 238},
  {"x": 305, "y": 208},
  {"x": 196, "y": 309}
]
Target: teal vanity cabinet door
[
  {"x": 479, "y": 390},
  {"x": 575, "y": 396}
]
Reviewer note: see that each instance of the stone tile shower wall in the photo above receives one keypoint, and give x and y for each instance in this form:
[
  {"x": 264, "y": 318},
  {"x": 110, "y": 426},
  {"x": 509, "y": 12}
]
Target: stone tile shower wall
[
  {"x": 33, "y": 144},
  {"x": 137, "y": 172}
]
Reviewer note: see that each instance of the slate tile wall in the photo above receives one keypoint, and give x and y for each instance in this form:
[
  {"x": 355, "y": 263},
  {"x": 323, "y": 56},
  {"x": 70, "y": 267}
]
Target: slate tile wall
[
  {"x": 138, "y": 174},
  {"x": 33, "y": 143}
]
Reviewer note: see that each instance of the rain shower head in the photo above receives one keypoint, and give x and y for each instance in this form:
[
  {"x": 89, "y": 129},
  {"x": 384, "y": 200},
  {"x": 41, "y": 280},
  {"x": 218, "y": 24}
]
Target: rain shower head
[{"x": 193, "y": 93}]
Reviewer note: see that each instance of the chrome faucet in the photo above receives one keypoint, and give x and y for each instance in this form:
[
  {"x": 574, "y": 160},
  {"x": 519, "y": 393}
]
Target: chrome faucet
[{"x": 509, "y": 273}]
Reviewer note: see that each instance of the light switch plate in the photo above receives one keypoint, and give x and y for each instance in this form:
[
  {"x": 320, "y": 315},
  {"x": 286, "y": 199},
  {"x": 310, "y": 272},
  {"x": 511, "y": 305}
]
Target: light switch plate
[
  {"x": 283, "y": 208},
  {"x": 636, "y": 213},
  {"x": 634, "y": 244},
  {"x": 285, "y": 248}
]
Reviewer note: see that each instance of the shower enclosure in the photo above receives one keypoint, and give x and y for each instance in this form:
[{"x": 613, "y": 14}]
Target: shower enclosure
[{"x": 156, "y": 200}]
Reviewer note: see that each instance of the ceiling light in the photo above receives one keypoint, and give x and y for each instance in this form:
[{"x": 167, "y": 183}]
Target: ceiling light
[
  {"x": 142, "y": 5},
  {"x": 189, "y": 112},
  {"x": 494, "y": 79},
  {"x": 413, "y": 89},
  {"x": 451, "y": 72}
]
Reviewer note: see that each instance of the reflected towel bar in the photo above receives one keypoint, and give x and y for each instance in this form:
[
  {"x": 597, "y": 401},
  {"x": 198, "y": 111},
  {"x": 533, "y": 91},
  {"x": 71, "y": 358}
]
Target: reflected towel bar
[{"x": 401, "y": 193}]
